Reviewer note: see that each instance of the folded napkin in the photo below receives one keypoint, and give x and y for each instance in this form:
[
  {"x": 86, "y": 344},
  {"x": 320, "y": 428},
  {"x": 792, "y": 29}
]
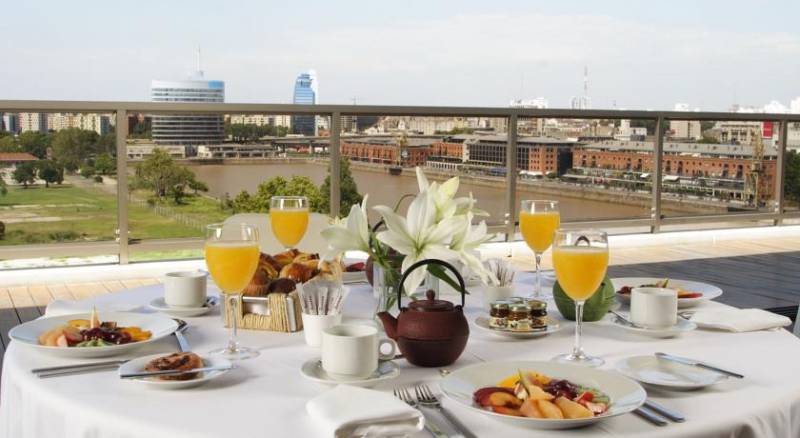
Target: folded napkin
[
  {"x": 375, "y": 414},
  {"x": 739, "y": 320},
  {"x": 69, "y": 307}
]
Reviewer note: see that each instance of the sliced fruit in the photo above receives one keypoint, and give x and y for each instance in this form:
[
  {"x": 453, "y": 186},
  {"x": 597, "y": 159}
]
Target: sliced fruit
[
  {"x": 52, "y": 336},
  {"x": 61, "y": 341},
  {"x": 78, "y": 323},
  {"x": 72, "y": 334},
  {"x": 530, "y": 408},
  {"x": 596, "y": 408},
  {"x": 504, "y": 399},
  {"x": 507, "y": 411},
  {"x": 509, "y": 382},
  {"x": 481, "y": 396},
  {"x": 94, "y": 321},
  {"x": 586, "y": 396},
  {"x": 549, "y": 410},
  {"x": 538, "y": 393},
  {"x": 572, "y": 409}
]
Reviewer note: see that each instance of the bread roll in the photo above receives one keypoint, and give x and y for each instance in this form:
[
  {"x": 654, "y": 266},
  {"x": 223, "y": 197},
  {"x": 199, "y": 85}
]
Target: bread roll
[
  {"x": 176, "y": 361},
  {"x": 298, "y": 272},
  {"x": 286, "y": 257}
]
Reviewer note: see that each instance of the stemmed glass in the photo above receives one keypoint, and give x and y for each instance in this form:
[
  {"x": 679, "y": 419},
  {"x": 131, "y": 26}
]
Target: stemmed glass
[
  {"x": 288, "y": 216},
  {"x": 538, "y": 221},
  {"x": 232, "y": 258},
  {"x": 580, "y": 259}
]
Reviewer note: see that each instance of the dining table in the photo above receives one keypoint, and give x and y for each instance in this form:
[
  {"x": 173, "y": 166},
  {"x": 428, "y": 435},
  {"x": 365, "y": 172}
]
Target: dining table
[{"x": 266, "y": 396}]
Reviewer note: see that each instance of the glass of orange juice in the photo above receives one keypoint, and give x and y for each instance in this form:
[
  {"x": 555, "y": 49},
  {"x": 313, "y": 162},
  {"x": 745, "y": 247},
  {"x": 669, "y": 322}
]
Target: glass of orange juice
[
  {"x": 538, "y": 222},
  {"x": 288, "y": 216},
  {"x": 580, "y": 259},
  {"x": 232, "y": 254}
]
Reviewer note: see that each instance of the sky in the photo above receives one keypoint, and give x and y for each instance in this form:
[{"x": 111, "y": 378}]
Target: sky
[{"x": 640, "y": 54}]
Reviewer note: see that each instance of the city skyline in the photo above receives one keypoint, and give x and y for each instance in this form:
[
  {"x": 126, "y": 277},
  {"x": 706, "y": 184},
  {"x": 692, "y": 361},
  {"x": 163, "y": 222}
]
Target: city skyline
[{"x": 640, "y": 56}]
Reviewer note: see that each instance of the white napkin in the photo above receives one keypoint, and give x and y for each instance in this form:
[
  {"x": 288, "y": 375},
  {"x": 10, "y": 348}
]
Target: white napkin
[
  {"x": 375, "y": 414},
  {"x": 739, "y": 320},
  {"x": 69, "y": 307}
]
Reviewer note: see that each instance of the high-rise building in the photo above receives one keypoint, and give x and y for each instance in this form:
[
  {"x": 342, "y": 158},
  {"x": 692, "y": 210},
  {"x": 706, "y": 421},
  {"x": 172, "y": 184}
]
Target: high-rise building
[
  {"x": 11, "y": 123},
  {"x": 306, "y": 92},
  {"x": 99, "y": 123},
  {"x": 36, "y": 122},
  {"x": 583, "y": 102},
  {"x": 685, "y": 129},
  {"x": 189, "y": 129}
]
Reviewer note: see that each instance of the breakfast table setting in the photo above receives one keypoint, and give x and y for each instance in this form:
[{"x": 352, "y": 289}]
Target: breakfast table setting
[{"x": 401, "y": 328}]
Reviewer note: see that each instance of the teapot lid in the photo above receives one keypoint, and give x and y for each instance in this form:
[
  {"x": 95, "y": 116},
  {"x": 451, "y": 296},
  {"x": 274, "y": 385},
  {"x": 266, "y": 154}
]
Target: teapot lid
[{"x": 430, "y": 304}]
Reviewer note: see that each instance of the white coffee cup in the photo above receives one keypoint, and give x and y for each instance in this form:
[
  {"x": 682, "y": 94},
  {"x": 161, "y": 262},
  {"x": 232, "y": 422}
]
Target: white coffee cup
[
  {"x": 494, "y": 293},
  {"x": 654, "y": 307},
  {"x": 185, "y": 289},
  {"x": 352, "y": 351},
  {"x": 313, "y": 325}
]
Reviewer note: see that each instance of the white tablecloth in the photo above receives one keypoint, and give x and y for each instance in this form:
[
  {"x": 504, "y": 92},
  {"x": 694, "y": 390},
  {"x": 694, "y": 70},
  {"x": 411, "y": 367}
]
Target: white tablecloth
[{"x": 266, "y": 396}]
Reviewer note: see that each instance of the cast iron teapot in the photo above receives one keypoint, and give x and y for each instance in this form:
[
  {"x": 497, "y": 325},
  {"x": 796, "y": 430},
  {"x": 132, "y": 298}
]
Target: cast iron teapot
[{"x": 429, "y": 332}]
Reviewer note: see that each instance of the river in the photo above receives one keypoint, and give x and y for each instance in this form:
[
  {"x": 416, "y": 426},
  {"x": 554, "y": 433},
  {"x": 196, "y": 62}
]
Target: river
[{"x": 386, "y": 189}]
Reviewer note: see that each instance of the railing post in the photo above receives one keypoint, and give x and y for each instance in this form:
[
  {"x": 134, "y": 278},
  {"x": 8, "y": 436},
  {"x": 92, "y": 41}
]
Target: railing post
[
  {"x": 122, "y": 184},
  {"x": 511, "y": 178},
  {"x": 336, "y": 194},
  {"x": 780, "y": 171},
  {"x": 658, "y": 152}
]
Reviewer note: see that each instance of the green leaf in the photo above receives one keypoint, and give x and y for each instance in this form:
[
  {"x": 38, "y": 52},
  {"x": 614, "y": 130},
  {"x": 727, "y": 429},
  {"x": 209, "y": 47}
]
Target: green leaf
[{"x": 439, "y": 272}]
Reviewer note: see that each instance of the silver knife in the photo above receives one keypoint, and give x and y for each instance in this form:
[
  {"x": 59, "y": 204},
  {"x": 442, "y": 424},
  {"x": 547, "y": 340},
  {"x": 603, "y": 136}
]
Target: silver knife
[
  {"x": 183, "y": 344},
  {"x": 650, "y": 416},
  {"x": 78, "y": 366},
  {"x": 79, "y": 370},
  {"x": 665, "y": 411},
  {"x": 692, "y": 362},
  {"x": 173, "y": 372}
]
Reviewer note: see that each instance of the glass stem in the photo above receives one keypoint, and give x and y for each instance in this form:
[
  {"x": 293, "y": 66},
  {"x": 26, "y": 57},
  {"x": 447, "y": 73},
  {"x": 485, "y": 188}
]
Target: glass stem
[
  {"x": 577, "y": 350},
  {"x": 537, "y": 286},
  {"x": 233, "y": 344}
]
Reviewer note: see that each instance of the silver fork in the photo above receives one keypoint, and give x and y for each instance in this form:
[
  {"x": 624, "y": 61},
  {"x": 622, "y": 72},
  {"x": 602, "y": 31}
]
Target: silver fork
[
  {"x": 404, "y": 395},
  {"x": 426, "y": 398}
]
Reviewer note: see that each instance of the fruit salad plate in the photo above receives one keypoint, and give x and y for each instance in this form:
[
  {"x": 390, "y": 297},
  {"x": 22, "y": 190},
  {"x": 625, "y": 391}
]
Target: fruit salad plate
[
  {"x": 28, "y": 334},
  {"x": 621, "y": 394},
  {"x": 696, "y": 291}
]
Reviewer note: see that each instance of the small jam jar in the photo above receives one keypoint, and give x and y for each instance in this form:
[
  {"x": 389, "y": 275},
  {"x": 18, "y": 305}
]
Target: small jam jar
[
  {"x": 498, "y": 314},
  {"x": 519, "y": 317},
  {"x": 538, "y": 314}
]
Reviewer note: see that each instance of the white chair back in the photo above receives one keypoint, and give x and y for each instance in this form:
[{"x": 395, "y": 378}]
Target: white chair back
[
  {"x": 797, "y": 323},
  {"x": 312, "y": 241}
]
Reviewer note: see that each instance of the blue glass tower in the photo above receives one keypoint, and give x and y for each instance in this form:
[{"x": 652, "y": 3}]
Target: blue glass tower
[{"x": 305, "y": 93}]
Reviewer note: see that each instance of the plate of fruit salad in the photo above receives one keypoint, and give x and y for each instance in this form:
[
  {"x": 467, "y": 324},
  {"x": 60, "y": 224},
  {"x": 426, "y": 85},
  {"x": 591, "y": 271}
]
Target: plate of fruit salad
[
  {"x": 690, "y": 293},
  {"x": 543, "y": 395},
  {"x": 89, "y": 335}
]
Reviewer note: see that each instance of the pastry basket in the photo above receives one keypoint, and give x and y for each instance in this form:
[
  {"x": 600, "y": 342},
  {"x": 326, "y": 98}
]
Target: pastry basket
[{"x": 277, "y": 312}]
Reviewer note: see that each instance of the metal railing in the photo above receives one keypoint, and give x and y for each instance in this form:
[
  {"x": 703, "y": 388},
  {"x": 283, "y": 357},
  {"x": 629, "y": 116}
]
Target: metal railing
[{"x": 655, "y": 221}]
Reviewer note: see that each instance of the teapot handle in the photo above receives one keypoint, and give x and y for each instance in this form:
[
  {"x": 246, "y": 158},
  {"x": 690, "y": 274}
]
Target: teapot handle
[{"x": 428, "y": 262}]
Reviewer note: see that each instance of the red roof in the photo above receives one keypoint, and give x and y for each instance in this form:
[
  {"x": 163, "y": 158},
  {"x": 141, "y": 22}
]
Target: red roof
[{"x": 16, "y": 156}]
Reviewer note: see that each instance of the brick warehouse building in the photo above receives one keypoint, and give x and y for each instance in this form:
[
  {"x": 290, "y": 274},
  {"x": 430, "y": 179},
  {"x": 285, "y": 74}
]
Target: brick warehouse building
[
  {"x": 540, "y": 155},
  {"x": 385, "y": 150}
]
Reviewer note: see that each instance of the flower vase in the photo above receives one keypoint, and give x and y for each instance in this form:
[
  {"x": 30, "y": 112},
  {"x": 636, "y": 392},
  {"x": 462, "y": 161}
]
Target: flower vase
[{"x": 384, "y": 289}]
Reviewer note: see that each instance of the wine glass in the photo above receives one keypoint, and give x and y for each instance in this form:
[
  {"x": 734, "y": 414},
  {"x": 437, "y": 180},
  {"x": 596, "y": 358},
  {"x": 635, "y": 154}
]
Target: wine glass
[
  {"x": 288, "y": 216},
  {"x": 580, "y": 259},
  {"x": 232, "y": 258},
  {"x": 538, "y": 222}
]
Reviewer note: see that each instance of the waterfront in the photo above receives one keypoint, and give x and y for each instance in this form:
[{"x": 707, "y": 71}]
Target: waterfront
[{"x": 385, "y": 189}]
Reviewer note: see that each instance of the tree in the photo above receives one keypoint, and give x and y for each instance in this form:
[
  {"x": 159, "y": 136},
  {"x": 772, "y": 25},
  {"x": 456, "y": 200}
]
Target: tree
[
  {"x": 25, "y": 174},
  {"x": 348, "y": 189},
  {"x": 106, "y": 143},
  {"x": 87, "y": 171},
  {"x": 72, "y": 146},
  {"x": 3, "y": 188},
  {"x": 163, "y": 176},
  {"x": 35, "y": 143},
  {"x": 278, "y": 186},
  {"x": 8, "y": 144},
  {"x": 51, "y": 172},
  {"x": 197, "y": 186},
  {"x": 792, "y": 177},
  {"x": 104, "y": 164}
]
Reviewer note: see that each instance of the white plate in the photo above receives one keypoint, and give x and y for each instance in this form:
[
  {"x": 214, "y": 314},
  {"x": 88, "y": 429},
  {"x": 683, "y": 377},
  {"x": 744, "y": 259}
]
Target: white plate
[
  {"x": 682, "y": 326},
  {"x": 482, "y": 323},
  {"x": 626, "y": 395},
  {"x": 27, "y": 334},
  {"x": 667, "y": 374},
  {"x": 137, "y": 366},
  {"x": 312, "y": 370},
  {"x": 160, "y": 305},
  {"x": 709, "y": 291}
]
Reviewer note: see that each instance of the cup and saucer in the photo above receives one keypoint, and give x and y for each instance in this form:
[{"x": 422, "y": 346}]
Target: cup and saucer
[
  {"x": 351, "y": 355},
  {"x": 184, "y": 295},
  {"x": 654, "y": 313}
]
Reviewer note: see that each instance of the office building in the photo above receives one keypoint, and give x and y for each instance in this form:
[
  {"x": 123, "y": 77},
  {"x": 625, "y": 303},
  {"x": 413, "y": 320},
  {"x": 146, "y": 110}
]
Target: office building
[
  {"x": 99, "y": 123},
  {"x": 583, "y": 102},
  {"x": 36, "y": 122},
  {"x": 306, "y": 92},
  {"x": 11, "y": 123}
]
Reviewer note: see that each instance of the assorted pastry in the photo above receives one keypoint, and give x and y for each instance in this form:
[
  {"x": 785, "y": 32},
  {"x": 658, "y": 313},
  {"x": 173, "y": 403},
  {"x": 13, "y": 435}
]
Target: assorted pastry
[
  {"x": 535, "y": 395},
  {"x": 92, "y": 333},
  {"x": 281, "y": 272},
  {"x": 177, "y": 362}
]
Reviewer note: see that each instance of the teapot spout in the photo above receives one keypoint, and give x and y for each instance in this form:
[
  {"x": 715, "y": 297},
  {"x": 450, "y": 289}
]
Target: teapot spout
[{"x": 389, "y": 324}]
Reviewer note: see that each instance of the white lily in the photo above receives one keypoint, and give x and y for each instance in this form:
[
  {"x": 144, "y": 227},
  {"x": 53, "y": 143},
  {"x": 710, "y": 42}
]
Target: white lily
[
  {"x": 352, "y": 234},
  {"x": 447, "y": 205},
  {"x": 465, "y": 243},
  {"x": 419, "y": 236}
]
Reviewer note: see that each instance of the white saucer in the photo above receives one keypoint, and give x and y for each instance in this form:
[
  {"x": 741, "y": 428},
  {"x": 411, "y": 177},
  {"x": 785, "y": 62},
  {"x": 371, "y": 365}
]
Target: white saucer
[
  {"x": 681, "y": 327},
  {"x": 137, "y": 366},
  {"x": 482, "y": 323},
  {"x": 312, "y": 370},
  {"x": 668, "y": 374},
  {"x": 159, "y": 305}
]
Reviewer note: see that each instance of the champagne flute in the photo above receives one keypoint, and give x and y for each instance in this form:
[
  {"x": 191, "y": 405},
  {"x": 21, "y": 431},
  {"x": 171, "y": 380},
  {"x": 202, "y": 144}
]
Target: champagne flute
[
  {"x": 288, "y": 216},
  {"x": 538, "y": 221},
  {"x": 580, "y": 259},
  {"x": 232, "y": 258}
]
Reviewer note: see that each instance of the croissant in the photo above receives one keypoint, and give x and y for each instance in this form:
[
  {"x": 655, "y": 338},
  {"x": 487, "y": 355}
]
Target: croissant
[
  {"x": 286, "y": 257},
  {"x": 265, "y": 272},
  {"x": 298, "y": 272},
  {"x": 331, "y": 270},
  {"x": 305, "y": 257}
]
